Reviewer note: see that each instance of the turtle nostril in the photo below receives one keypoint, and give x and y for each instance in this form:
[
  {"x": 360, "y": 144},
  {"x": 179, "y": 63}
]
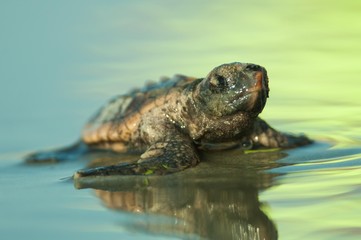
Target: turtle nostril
[{"x": 253, "y": 67}]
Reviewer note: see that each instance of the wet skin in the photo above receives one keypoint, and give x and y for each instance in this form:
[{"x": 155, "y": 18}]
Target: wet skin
[{"x": 167, "y": 123}]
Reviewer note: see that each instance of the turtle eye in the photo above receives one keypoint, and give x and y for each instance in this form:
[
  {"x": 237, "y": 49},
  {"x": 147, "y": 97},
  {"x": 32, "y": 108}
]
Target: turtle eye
[{"x": 218, "y": 82}]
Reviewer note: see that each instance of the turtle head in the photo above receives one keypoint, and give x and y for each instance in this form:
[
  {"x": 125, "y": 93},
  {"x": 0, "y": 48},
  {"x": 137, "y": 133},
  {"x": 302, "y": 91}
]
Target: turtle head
[{"x": 233, "y": 88}]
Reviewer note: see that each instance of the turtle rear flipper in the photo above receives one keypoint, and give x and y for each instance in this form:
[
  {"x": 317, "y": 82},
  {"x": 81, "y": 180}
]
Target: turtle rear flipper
[
  {"x": 168, "y": 156},
  {"x": 70, "y": 153}
]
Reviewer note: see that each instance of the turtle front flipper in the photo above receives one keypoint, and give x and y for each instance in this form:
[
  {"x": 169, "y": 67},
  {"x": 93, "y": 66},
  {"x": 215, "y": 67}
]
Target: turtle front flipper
[
  {"x": 171, "y": 155},
  {"x": 264, "y": 135}
]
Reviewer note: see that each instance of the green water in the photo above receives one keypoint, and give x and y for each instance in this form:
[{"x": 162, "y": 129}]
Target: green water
[{"x": 59, "y": 61}]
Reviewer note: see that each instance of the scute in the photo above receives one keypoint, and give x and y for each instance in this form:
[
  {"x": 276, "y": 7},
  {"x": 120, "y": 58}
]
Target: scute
[{"x": 123, "y": 110}]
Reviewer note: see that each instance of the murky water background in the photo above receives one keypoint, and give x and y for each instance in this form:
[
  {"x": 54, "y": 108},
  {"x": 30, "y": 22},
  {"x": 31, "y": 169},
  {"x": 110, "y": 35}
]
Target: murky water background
[{"x": 59, "y": 61}]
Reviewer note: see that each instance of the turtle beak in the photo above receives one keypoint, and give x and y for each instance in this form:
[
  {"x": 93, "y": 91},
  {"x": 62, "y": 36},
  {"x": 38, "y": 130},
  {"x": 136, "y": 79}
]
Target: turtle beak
[
  {"x": 262, "y": 82},
  {"x": 258, "y": 87},
  {"x": 260, "y": 79}
]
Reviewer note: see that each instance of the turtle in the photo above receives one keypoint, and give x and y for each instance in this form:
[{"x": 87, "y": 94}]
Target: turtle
[{"x": 169, "y": 122}]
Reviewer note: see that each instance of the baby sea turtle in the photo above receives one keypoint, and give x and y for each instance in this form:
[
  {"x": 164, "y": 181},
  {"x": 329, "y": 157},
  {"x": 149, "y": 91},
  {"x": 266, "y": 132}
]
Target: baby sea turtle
[{"x": 169, "y": 121}]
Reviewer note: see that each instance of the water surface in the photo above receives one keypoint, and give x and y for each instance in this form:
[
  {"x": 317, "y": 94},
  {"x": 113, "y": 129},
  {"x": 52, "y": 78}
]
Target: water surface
[{"x": 60, "y": 61}]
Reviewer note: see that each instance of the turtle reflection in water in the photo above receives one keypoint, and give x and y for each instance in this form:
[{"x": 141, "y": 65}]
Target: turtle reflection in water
[
  {"x": 168, "y": 122},
  {"x": 216, "y": 200}
]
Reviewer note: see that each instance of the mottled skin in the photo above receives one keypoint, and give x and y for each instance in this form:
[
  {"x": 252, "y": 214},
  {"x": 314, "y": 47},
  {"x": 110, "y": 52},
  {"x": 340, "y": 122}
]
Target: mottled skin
[{"x": 169, "y": 121}]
